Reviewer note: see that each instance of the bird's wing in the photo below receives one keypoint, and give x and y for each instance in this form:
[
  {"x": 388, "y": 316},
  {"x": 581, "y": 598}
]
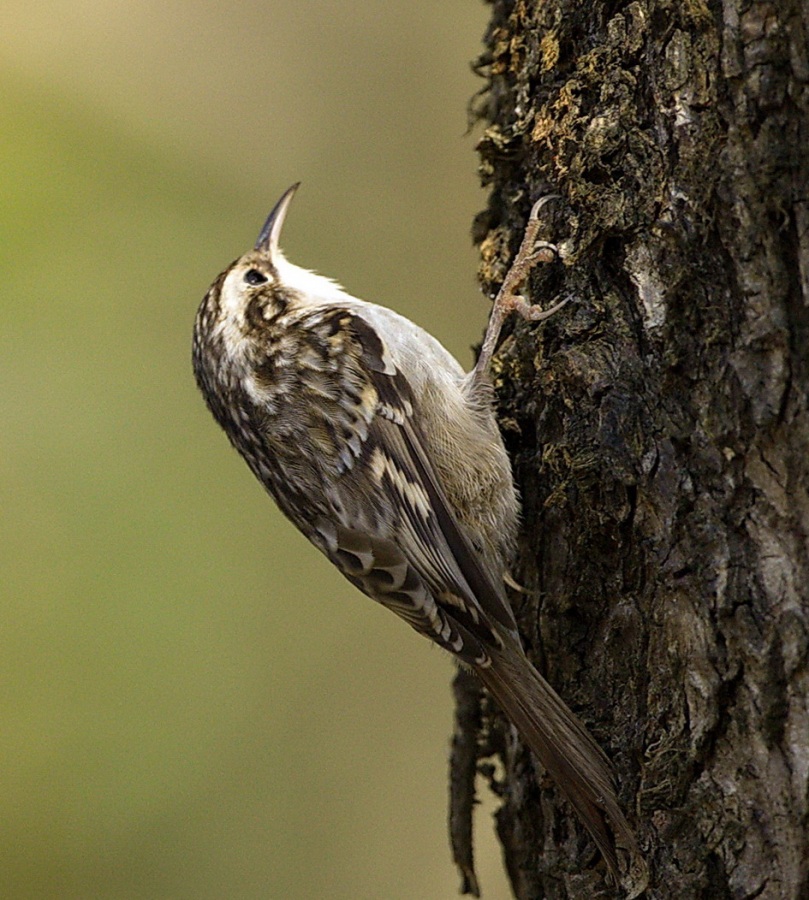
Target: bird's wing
[{"x": 392, "y": 531}]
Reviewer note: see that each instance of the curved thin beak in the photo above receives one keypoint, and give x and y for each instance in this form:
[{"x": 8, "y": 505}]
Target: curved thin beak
[{"x": 271, "y": 232}]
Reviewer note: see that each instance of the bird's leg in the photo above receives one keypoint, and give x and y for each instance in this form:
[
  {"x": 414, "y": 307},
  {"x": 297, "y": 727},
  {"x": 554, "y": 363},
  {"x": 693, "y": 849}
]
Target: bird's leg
[{"x": 508, "y": 300}]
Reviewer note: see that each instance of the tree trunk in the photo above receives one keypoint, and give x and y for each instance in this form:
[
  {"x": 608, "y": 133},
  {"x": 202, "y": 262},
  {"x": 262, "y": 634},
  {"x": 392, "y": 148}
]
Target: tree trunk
[{"x": 659, "y": 431}]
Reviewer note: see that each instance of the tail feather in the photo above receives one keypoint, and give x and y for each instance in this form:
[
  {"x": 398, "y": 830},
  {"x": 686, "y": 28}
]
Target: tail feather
[{"x": 565, "y": 748}]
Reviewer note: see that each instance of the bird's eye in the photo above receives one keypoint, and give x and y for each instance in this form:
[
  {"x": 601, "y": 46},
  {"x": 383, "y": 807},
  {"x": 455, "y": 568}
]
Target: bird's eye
[{"x": 253, "y": 276}]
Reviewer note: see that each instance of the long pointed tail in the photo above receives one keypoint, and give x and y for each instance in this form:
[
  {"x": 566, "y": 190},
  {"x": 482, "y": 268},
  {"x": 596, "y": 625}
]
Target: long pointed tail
[{"x": 565, "y": 748}]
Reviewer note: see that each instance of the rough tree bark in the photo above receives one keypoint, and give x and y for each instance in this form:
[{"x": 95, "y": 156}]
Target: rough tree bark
[{"x": 659, "y": 429}]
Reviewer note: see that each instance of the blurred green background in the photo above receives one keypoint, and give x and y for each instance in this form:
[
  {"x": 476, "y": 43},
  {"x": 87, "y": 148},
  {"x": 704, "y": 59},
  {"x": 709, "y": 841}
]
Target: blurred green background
[{"x": 194, "y": 704}]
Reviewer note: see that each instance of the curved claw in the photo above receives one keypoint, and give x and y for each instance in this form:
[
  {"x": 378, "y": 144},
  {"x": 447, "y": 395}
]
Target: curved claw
[{"x": 543, "y": 201}]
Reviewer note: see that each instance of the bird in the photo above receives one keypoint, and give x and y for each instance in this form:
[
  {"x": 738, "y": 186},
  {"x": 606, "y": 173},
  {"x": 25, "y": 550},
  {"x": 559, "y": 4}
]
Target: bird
[{"x": 386, "y": 455}]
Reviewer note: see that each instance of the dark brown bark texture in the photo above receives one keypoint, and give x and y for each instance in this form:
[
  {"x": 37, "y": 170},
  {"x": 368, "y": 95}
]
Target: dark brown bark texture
[{"x": 659, "y": 428}]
